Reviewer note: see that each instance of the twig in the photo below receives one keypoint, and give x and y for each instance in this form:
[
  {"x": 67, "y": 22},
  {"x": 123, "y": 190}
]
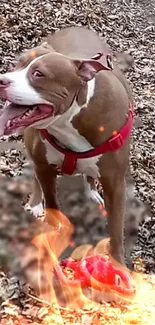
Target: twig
[
  {"x": 38, "y": 299},
  {"x": 48, "y": 303}
]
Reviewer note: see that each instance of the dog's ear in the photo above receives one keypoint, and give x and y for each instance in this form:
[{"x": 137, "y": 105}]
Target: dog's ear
[{"x": 87, "y": 69}]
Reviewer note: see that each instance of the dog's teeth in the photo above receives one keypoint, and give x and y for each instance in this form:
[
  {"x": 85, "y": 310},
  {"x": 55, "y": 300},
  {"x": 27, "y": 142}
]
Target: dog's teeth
[
  {"x": 8, "y": 124},
  {"x": 30, "y": 111},
  {"x": 27, "y": 113}
]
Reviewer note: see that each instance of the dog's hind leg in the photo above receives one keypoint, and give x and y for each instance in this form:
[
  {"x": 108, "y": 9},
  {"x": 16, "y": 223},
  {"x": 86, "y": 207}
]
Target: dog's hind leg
[{"x": 114, "y": 196}]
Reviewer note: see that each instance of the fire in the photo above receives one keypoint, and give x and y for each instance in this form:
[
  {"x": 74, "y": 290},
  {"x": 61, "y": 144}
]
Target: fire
[
  {"x": 50, "y": 246},
  {"x": 64, "y": 304}
]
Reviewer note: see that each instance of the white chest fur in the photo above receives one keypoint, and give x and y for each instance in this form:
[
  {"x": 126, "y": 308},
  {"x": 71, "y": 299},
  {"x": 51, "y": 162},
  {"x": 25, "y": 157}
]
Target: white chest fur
[{"x": 62, "y": 129}]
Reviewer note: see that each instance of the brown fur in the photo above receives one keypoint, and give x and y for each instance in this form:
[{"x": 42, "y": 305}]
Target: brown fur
[
  {"x": 65, "y": 70},
  {"x": 109, "y": 107}
]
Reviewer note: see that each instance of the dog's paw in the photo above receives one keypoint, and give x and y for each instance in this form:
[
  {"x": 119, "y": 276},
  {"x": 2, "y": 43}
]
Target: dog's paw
[
  {"x": 36, "y": 210},
  {"x": 96, "y": 197}
]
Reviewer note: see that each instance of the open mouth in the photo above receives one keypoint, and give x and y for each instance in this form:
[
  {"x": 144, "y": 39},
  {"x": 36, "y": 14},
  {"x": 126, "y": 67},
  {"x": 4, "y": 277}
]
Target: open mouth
[{"x": 15, "y": 116}]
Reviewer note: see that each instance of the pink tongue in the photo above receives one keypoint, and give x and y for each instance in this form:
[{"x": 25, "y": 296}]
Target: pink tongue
[{"x": 9, "y": 111}]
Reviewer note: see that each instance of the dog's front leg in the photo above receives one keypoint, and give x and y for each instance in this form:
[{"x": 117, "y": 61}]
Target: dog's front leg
[
  {"x": 46, "y": 176},
  {"x": 114, "y": 196},
  {"x": 35, "y": 204}
]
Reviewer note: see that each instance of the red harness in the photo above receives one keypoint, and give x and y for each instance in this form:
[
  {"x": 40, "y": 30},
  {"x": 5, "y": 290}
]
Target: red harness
[{"x": 114, "y": 143}]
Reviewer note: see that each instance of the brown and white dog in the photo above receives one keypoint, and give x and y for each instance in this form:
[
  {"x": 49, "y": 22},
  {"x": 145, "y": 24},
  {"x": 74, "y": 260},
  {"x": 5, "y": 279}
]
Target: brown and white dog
[{"x": 63, "y": 88}]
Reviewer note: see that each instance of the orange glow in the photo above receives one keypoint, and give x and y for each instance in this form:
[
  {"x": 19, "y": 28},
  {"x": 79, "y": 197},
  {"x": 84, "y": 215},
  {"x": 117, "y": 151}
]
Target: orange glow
[
  {"x": 33, "y": 54},
  {"x": 67, "y": 305},
  {"x": 101, "y": 207},
  {"x": 104, "y": 213},
  {"x": 101, "y": 128},
  {"x": 50, "y": 245},
  {"x": 72, "y": 244},
  {"x": 114, "y": 133}
]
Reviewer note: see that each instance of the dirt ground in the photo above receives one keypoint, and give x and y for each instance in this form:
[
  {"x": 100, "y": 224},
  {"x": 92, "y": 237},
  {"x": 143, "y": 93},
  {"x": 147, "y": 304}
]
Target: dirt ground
[{"x": 129, "y": 26}]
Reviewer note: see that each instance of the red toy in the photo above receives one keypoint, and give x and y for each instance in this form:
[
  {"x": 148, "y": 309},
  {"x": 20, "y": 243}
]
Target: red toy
[{"x": 97, "y": 272}]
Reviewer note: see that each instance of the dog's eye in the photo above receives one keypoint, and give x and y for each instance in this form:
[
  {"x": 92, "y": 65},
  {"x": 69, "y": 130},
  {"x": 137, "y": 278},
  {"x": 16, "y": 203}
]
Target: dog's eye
[{"x": 37, "y": 74}]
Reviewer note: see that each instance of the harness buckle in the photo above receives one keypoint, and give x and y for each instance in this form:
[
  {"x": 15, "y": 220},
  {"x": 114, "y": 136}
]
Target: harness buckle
[{"x": 116, "y": 142}]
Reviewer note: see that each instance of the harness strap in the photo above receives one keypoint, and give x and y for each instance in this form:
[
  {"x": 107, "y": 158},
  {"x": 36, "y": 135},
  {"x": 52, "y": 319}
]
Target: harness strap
[{"x": 113, "y": 144}]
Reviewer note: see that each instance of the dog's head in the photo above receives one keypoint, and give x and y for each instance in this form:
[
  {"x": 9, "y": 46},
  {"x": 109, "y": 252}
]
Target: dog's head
[{"x": 43, "y": 85}]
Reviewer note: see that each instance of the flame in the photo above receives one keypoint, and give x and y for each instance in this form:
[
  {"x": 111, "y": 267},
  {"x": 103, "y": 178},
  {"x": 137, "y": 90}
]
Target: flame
[
  {"x": 50, "y": 245},
  {"x": 72, "y": 304}
]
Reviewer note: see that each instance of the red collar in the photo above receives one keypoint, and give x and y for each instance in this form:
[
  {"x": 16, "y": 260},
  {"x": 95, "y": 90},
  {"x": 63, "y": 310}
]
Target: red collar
[{"x": 114, "y": 143}]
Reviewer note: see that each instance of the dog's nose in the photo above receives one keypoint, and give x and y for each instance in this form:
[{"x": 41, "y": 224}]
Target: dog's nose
[{"x": 4, "y": 81}]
